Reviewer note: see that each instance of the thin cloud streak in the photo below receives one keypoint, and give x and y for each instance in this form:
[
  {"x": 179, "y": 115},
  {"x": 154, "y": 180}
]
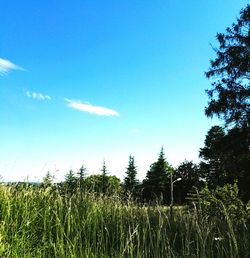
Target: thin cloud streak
[
  {"x": 37, "y": 95},
  {"x": 6, "y": 66},
  {"x": 97, "y": 110}
]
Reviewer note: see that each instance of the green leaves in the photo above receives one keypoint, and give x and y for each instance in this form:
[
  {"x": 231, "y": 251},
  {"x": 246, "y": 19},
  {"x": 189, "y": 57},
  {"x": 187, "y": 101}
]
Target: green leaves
[
  {"x": 155, "y": 185},
  {"x": 230, "y": 93},
  {"x": 130, "y": 181}
]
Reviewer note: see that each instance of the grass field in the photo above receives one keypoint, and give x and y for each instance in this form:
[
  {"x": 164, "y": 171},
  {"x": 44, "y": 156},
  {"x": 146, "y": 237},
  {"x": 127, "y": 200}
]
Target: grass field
[{"x": 41, "y": 223}]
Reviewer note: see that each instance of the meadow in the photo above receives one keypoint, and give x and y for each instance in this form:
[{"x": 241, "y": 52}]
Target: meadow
[{"x": 41, "y": 222}]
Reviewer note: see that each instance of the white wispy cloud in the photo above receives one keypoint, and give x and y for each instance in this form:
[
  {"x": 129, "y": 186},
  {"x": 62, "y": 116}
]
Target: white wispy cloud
[
  {"x": 97, "y": 110},
  {"x": 6, "y": 66},
  {"x": 37, "y": 95}
]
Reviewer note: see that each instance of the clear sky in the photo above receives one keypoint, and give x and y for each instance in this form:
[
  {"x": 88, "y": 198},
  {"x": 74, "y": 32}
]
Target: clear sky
[{"x": 83, "y": 81}]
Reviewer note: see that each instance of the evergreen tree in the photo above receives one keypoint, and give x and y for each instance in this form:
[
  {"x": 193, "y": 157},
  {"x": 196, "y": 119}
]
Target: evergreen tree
[
  {"x": 230, "y": 93},
  {"x": 237, "y": 159},
  {"x": 130, "y": 181},
  {"x": 213, "y": 155},
  {"x": 70, "y": 182},
  {"x": 104, "y": 177},
  {"x": 48, "y": 180},
  {"x": 226, "y": 158},
  {"x": 81, "y": 176},
  {"x": 156, "y": 184},
  {"x": 230, "y": 101}
]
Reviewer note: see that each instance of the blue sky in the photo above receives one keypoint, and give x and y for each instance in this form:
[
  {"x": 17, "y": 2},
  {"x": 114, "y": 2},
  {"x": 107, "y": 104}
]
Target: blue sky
[{"x": 83, "y": 81}]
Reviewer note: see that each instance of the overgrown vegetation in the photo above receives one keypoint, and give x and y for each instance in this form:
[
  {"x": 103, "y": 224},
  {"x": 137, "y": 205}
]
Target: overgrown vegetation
[{"x": 41, "y": 222}]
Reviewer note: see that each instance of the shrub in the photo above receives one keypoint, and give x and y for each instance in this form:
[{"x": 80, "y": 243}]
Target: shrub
[{"x": 222, "y": 202}]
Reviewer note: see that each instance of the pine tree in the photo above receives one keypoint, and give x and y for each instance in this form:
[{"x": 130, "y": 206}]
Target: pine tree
[
  {"x": 70, "y": 182},
  {"x": 104, "y": 174},
  {"x": 229, "y": 99},
  {"x": 213, "y": 156},
  {"x": 130, "y": 181},
  {"x": 157, "y": 179},
  {"x": 48, "y": 180},
  {"x": 81, "y": 176},
  {"x": 230, "y": 69}
]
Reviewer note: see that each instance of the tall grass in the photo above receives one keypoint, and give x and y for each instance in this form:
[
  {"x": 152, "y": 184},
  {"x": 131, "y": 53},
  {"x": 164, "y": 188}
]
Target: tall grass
[{"x": 43, "y": 223}]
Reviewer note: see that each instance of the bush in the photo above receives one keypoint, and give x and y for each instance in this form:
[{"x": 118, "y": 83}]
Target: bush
[{"x": 222, "y": 202}]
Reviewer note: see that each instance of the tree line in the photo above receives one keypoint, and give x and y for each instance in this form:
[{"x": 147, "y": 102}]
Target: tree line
[{"x": 156, "y": 186}]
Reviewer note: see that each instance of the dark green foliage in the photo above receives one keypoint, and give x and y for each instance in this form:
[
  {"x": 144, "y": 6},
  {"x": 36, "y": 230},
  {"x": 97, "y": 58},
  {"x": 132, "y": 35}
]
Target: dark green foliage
[
  {"x": 114, "y": 185},
  {"x": 190, "y": 178},
  {"x": 226, "y": 158},
  {"x": 156, "y": 184},
  {"x": 104, "y": 177},
  {"x": 237, "y": 144},
  {"x": 229, "y": 97},
  {"x": 99, "y": 184},
  {"x": 81, "y": 177},
  {"x": 222, "y": 202},
  {"x": 213, "y": 155},
  {"x": 130, "y": 181},
  {"x": 213, "y": 143},
  {"x": 94, "y": 183},
  {"x": 70, "y": 182},
  {"x": 48, "y": 180}
]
